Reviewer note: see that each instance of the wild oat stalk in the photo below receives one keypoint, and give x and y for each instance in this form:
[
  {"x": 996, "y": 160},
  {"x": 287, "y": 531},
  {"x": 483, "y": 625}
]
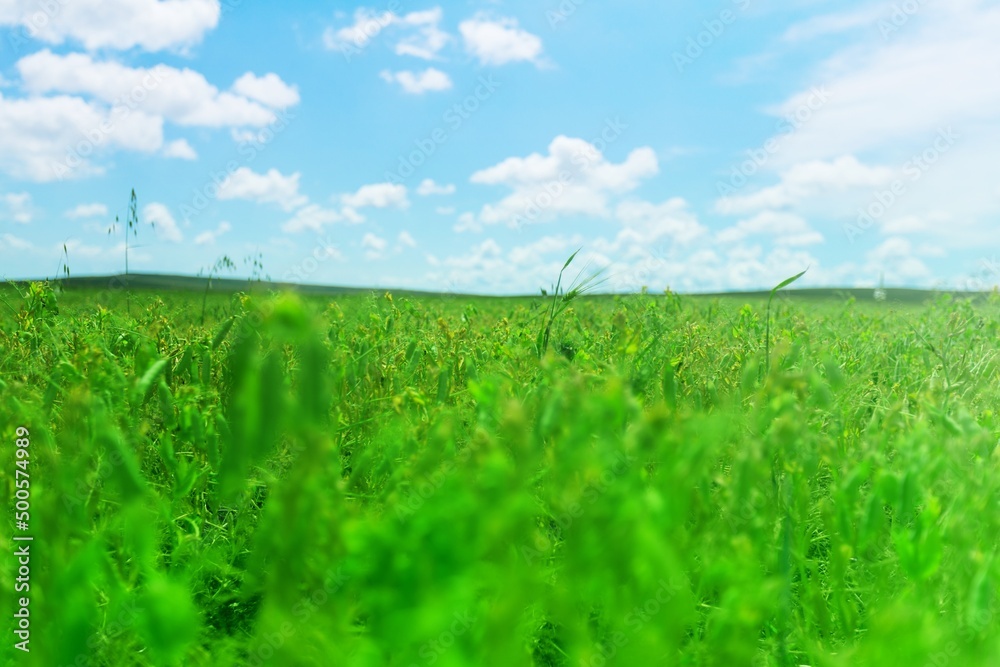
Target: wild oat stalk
[
  {"x": 561, "y": 300},
  {"x": 767, "y": 327},
  {"x": 221, "y": 263},
  {"x": 131, "y": 225}
]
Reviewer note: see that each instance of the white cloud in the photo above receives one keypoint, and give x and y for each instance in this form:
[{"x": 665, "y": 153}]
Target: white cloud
[
  {"x": 785, "y": 228},
  {"x": 417, "y": 83},
  {"x": 163, "y": 222},
  {"x": 41, "y": 137},
  {"x": 352, "y": 216},
  {"x": 374, "y": 245},
  {"x": 16, "y": 207},
  {"x": 901, "y": 93},
  {"x": 268, "y": 89},
  {"x": 499, "y": 41},
  {"x": 366, "y": 27},
  {"x": 313, "y": 217},
  {"x": 377, "y": 195},
  {"x": 540, "y": 251},
  {"x": 896, "y": 258},
  {"x": 928, "y": 75},
  {"x": 428, "y": 39},
  {"x": 429, "y": 187},
  {"x": 77, "y": 249},
  {"x": 574, "y": 178},
  {"x": 404, "y": 239},
  {"x": 655, "y": 243},
  {"x": 807, "y": 180},
  {"x": 930, "y": 222},
  {"x": 183, "y": 97},
  {"x": 180, "y": 149},
  {"x": 87, "y": 211},
  {"x": 644, "y": 222},
  {"x": 830, "y": 24},
  {"x": 11, "y": 242},
  {"x": 210, "y": 236},
  {"x": 271, "y": 187},
  {"x": 423, "y": 36},
  {"x": 151, "y": 25}
]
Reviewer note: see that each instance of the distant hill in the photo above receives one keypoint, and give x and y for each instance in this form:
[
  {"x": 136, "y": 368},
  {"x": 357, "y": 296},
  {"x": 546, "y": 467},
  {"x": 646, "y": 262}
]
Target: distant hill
[{"x": 162, "y": 282}]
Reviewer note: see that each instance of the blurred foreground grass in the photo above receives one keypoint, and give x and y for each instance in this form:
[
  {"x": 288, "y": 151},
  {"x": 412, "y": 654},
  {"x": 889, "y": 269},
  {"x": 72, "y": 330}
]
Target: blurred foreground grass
[{"x": 380, "y": 481}]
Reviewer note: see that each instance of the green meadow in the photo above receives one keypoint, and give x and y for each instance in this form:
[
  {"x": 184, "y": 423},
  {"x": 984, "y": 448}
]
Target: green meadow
[{"x": 563, "y": 480}]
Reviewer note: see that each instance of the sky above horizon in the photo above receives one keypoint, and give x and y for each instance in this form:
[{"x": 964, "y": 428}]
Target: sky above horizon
[{"x": 473, "y": 146}]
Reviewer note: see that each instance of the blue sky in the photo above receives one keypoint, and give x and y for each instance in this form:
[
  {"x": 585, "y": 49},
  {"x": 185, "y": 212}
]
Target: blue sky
[{"x": 473, "y": 146}]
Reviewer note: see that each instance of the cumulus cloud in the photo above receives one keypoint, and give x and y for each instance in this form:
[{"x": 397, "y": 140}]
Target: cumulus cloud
[
  {"x": 270, "y": 187},
  {"x": 573, "y": 178},
  {"x": 428, "y": 187},
  {"x": 181, "y": 96},
  {"x": 84, "y": 211},
  {"x": 896, "y": 257},
  {"x": 163, "y": 222},
  {"x": 427, "y": 38},
  {"x": 405, "y": 240},
  {"x": 422, "y": 36},
  {"x": 373, "y": 245},
  {"x": 805, "y": 181},
  {"x": 208, "y": 237},
  {"x": 268, "y": 89},
  {"x": 377, "y": 195},
  {"x": 152, "y": 25},
  {"x": 896, "y": 89},
  {"x": 11, "y": 242},
  {"x": 499, "y": 41},
  {"x": 16, "y": 207},
  {"x": 368, "y": 24},
  {"x": 180, "y": 149},
  {"x": 311, "y": 217},
  {"x": 51, "y": 138},
  {"x": 418, "y": 83},
  {"x": 645, "y": 222},
  {"x": 786, "y": 229}
]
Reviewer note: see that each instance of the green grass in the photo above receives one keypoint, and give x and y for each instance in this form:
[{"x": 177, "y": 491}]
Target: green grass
[{"x": 388, "y": 480}]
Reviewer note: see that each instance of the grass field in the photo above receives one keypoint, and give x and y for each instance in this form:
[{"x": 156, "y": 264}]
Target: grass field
[{"x": 411, "y": 481}]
